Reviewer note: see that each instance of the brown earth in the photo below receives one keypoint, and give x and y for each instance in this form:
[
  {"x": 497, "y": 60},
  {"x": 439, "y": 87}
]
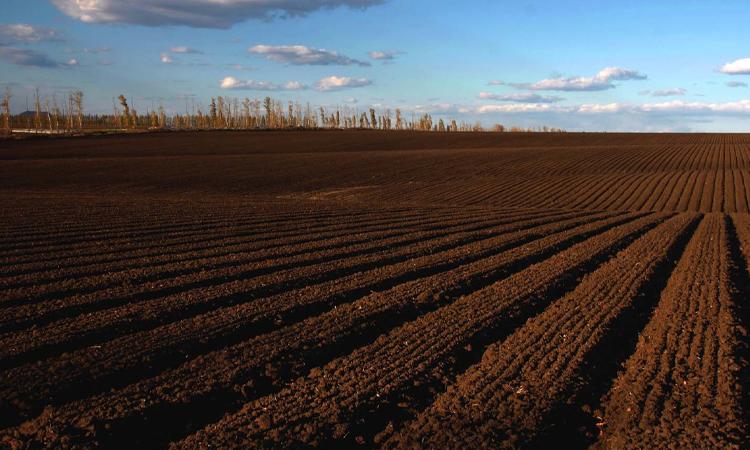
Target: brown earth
[{"x": 368, "y": 289}]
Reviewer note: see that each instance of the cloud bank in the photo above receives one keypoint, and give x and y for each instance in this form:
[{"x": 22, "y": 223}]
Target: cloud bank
[
  {"x": 195, "y": 13},
  {"x": 741, "y": 107}
]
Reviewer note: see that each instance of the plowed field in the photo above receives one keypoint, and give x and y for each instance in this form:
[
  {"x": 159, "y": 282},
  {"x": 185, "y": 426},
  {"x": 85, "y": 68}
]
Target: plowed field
[{"x": 375, "y": 290}]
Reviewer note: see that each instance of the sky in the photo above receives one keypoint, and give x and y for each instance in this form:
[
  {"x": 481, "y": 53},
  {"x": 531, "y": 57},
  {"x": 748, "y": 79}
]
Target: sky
[{"x": 579, "y": 65}]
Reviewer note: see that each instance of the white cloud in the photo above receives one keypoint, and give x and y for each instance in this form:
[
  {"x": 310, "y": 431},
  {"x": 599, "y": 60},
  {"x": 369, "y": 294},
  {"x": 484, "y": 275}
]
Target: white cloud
[
  {"x": 385, "y": 55},
  {"x": 166, "y": 58},
  {"x": 740, "y": 106},
  {"x": 302, "y": 55},
  {"x": 520, "y": 98},
  {"x": 738, "y": 67},
  {"x": 599, "y": 108},
  {"x": 195, "y": 13},
  {"x": 184, "y": 50},
  {"x": 513, "y": 108},
  {"x": 73, "y": 62},
  {"x": 736, "y": 84},
  {"x": 254, "y": 85},
  {"x": 674, "y": 92},
  {"x": 22, "y": 32},
  {"x": 496, "y": 83},
  {"x": 674, "y": 115},
  {"x": 599, "y": 82},
  {"x": 676, "y": 107},
  {"x": 334, "y": 83},
  {"x": 617, "y": 73}
]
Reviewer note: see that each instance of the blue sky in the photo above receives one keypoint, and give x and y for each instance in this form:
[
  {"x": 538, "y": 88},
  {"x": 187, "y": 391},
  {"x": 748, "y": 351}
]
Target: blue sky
[{"x": 581, "y": 65}]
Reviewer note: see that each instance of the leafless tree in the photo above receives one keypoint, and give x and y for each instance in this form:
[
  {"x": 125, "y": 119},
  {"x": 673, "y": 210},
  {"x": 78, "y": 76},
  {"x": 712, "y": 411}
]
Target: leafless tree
[
  {"x": 78, "y": 101},
  {"x": 126, "y": 109},
  {"x": 6, "y": 109},
  {"x": 37, "y": 110}
]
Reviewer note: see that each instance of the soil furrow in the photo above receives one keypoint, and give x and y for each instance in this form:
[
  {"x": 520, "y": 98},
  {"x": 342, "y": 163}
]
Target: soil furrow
[
  {"x": 681, "y": 385},
  {"x": 383, "y": 373}
]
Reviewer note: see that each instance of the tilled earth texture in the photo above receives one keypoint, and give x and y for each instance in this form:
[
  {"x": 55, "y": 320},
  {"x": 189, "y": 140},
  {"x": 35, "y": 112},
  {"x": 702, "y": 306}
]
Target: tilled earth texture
[{"x": 375, "y": 290}]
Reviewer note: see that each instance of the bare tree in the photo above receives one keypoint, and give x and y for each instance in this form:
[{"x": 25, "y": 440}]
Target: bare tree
[
  {"x": 212, "y": 112},
  {"x": 233, "y": 113},
  {"x": 6, "y": 109},
  {"x": 49, "y": 114},
  {"x": 246, "y": 112},
  {"x": 55, "y": 113},
  {"x": 268, "y": 107},
  {"x": 126, "y": 108},
  {"x": 162, "y": 117},
  {"x": 37, "y": 110},
  {"x": 78, "y": 101}
]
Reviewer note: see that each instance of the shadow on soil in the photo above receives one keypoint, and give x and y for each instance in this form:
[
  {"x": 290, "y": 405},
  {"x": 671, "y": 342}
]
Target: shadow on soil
[
  {"x": 574, "y": 423},
  {"x": 740, "y": 274}
]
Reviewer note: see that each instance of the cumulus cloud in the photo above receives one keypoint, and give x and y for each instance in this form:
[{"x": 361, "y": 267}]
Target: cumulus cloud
[
  {"x": 195, "y": 13},
  {"x": 29, "y": 58},
  {"x": 384, "y": 55},
  {"x": 232, "y": 83},
  {"x": 334, "y": 83},
  {"x": 599, "y": 82},
  {"x": 184, "y": 50},
  {"x": 736, "y": 84},
  {"x": 301, "y": 55},
  {"x": 22, "y": 32},
  {"x": 73, "y": 62},
  {"x": 520, "y": 98},
  {"x": 738, "y": 67}
]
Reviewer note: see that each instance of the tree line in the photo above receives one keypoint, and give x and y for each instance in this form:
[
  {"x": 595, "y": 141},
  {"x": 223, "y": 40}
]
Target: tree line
[{"x": 53, "y": 116}]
